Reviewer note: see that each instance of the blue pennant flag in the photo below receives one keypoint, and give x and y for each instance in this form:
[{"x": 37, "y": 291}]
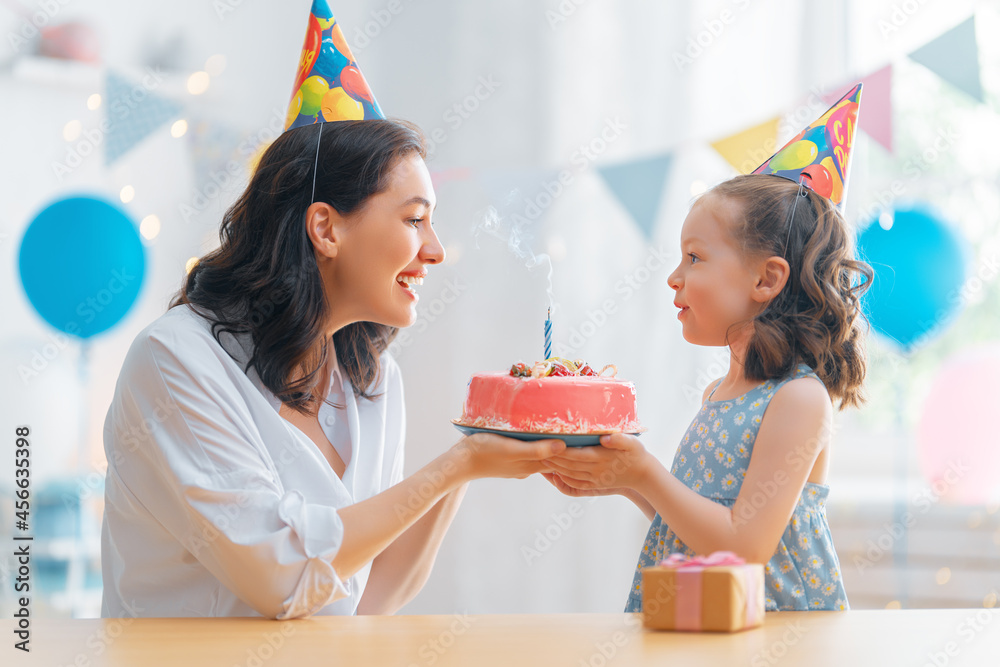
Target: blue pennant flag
[
  {"x": 954, "y": 56},
  {"x": 639, "y": 186},
  {"x": 133, "y": 112}
]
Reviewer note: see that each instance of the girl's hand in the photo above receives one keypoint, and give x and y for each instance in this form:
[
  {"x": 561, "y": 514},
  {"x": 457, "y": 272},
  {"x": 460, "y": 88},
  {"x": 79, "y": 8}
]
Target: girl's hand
[
  {"x": 556, "y": 480},
  {"x": 618, "y": 464},
  {"x": 488, "y": 455}
]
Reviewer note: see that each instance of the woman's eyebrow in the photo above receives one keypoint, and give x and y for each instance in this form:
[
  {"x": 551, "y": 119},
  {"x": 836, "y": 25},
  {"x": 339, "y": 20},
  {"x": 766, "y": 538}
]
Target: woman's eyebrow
[{"x": 419, "y": 200}]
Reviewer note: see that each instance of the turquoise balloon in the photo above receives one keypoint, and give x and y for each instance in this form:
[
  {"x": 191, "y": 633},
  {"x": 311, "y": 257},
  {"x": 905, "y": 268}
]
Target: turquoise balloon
[
  {"x": 920, "y": 268},
  {"x": 81, "y": 264},
  {"x": 795, "y": 156}
]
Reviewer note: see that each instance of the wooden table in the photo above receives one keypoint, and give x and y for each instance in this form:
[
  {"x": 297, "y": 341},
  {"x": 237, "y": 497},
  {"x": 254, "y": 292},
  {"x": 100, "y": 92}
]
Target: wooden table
[{"x": 853, "y": 638}]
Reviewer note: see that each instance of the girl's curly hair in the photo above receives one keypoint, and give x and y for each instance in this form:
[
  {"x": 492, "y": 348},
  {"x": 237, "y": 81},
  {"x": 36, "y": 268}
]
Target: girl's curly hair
[{"x": 816, "y": 318}]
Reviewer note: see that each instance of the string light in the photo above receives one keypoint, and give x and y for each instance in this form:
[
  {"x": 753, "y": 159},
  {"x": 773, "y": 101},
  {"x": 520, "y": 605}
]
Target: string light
[
  {"x": 198, "y": 82},
  {"x": 127, "y": 194},
  {"x": 71, "y": 130},
  {"x": 149, "y": 227},
  {"x": 94, "y": 101},
  {"x": 179, "y": 128}
]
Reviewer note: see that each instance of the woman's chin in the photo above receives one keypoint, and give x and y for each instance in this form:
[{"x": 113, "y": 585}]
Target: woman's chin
[{"x": 400, "y": 319}]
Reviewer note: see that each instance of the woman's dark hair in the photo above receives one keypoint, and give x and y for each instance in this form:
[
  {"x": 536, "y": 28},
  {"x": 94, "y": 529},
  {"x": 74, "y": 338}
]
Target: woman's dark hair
[
  {"x": 264, "y": 280},
  {"x": 816, "y": 318}
]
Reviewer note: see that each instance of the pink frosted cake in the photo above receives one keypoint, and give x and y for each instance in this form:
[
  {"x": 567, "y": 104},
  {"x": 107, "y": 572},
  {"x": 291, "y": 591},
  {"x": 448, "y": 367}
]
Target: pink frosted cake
[{"x": 553, "y": 396}]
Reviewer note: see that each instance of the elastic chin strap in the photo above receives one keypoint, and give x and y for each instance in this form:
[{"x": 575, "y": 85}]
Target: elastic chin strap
[
  {"x": 312, "y": 199},
  {"x": 791, "y": 216}
]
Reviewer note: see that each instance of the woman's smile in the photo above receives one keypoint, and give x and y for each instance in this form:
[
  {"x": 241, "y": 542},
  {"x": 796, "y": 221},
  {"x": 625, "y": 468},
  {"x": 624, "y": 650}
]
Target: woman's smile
[{"x": 407, "y": 281}]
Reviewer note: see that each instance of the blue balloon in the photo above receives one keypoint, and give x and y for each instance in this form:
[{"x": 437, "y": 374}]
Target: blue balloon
[
  {"x": 920, "y": 267},
  {"x": 82, "y": 264},
  {"x": 330, "y": 61}
]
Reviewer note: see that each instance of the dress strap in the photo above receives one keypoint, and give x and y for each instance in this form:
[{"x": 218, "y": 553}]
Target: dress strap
[{"x": 712, "y": 393}]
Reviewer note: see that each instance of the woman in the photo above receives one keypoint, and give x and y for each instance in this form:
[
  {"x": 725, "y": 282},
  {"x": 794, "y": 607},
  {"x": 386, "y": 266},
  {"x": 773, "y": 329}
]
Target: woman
[{"x": 255, "y": 439}]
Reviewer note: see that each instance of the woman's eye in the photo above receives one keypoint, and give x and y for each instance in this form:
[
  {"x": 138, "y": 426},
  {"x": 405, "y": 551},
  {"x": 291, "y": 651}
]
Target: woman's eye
[{"x": 415, "y": 221}]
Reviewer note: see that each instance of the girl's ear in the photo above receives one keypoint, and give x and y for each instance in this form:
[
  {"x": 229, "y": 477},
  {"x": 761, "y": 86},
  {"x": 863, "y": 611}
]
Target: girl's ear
[
  {"x": 324, "y": 225},
  {"x": 771, "y": 278}
]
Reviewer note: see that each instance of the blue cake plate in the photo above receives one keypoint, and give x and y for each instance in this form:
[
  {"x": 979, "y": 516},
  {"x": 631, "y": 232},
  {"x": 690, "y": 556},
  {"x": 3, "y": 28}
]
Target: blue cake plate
[{"x": 571, "y": 440}]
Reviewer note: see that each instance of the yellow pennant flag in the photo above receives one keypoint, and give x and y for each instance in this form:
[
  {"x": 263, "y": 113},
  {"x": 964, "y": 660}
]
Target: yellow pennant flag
[{"x": 748, "y": 149}]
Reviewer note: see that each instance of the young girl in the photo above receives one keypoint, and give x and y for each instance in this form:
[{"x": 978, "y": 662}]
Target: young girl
[{"x": 767, "y": 269}]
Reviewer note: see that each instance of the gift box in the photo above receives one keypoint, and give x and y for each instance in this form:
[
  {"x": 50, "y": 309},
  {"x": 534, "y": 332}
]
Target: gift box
[{"x": 716, "y": 593}]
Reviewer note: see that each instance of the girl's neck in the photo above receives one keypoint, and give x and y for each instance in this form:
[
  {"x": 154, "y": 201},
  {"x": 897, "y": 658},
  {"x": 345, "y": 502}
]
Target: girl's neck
[{"x": 735, "y": 383}]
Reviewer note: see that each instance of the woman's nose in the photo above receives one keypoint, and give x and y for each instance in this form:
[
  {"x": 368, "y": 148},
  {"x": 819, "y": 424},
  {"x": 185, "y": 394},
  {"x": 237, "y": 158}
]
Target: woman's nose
[{"x": 432, "y": 252}]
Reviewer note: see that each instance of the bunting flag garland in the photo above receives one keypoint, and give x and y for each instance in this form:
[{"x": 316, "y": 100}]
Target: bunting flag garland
[
  {"x": 133, "y": 112},
  {"x": 954, "y": 56},
  {"x": 748, "y": 148},
  {"x": 639, "y": 186}
]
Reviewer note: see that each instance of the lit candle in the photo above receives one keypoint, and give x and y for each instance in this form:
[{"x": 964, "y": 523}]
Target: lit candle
[{"x": 548, "y": 334}]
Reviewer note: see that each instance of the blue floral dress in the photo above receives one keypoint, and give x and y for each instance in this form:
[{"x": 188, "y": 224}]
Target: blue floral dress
[{"x": 804, "y": 572}]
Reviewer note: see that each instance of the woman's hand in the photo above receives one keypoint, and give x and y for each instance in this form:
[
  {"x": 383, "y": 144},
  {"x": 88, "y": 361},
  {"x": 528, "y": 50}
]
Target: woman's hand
[
  {"x": 618, "y": 464},
  {"x": 489, "y": 455}
]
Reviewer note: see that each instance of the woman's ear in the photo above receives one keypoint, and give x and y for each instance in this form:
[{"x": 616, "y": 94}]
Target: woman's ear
[
  {"x": 771, "y": 278},
  {"x": 323, "y": 225}
]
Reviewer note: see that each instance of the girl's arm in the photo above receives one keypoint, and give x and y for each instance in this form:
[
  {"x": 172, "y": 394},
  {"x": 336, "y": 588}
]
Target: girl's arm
[
  {"x": 557, "y": 481},
  {"x": 796, "y": 427},
  {"x": 400, "y": 572}
]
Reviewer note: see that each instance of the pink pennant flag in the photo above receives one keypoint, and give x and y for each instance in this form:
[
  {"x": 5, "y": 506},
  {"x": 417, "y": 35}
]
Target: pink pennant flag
[{"x": 878, "y": 104}]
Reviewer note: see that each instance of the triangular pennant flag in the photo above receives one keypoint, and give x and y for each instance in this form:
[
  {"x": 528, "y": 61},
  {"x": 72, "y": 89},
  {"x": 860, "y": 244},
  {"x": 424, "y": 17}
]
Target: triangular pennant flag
[
  {"x": 144, "y": 113},
  {"x": 954, "y": 56},
  {"x": 878, "y": 105},
  {"x": 639, "y": 187},
  {"x": 748, "y": 148}
]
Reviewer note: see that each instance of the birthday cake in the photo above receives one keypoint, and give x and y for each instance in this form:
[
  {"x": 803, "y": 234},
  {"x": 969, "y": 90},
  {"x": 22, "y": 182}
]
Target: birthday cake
[{"x": 553, "y": 396}]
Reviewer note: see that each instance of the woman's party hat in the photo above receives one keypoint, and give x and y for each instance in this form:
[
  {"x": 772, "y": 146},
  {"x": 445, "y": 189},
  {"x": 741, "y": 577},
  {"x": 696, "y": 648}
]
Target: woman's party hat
[
  {"x": 819, "y": 156},
  {"x": 329, "y": 86}
]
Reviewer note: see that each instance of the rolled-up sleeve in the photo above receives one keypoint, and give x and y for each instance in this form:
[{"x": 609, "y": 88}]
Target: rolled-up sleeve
[{"x": 194, "y": 457}]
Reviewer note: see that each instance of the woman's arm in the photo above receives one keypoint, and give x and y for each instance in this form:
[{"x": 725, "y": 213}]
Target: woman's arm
[
  {"x": 796, "y": 427},
  {"x": 373, "y": 524},
  {"x": 400, "y": 572}
]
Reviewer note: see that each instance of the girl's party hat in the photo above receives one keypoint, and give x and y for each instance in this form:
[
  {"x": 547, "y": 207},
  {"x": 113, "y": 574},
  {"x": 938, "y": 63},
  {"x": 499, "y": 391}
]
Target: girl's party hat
[
  {"x": 329, "y": 86},
  {"x": 819, "y": 156}
]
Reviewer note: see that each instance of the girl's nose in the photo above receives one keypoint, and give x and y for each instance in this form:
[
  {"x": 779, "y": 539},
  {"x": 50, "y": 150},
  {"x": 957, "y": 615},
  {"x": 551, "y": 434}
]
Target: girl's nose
[{"x": 674, "y": 279}]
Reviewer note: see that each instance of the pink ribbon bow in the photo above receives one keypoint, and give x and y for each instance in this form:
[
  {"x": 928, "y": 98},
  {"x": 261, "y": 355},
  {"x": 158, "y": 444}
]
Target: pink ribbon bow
[
  {"x": 689, "y": 601},
  {"x": 715, "y": 559}
]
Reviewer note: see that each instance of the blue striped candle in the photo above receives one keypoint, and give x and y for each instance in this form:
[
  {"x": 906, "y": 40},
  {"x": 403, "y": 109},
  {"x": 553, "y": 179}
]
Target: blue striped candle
[{"x": 548, "y": 334}]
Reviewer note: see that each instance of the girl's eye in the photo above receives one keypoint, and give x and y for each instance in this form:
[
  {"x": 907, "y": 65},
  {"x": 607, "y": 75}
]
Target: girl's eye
[{"x": 694, "y": 257}]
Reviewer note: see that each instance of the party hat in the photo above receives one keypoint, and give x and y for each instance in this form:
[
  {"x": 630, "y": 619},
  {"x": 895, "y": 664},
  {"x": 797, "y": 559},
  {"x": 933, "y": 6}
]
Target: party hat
[
  {"x": 819, "y": 156},
  {"x": 329, "y": 86}
]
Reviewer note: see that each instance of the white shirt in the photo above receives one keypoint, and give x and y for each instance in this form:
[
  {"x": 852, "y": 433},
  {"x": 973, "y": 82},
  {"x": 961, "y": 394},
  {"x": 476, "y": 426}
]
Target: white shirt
[{"x": 217, "y": 506}]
